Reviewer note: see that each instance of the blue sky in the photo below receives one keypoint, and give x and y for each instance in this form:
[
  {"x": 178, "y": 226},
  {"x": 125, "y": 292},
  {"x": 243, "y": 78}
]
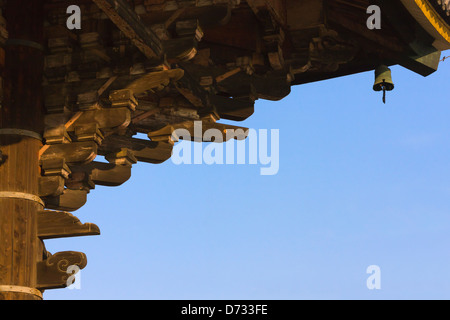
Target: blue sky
[{"x": 360, "y": 183}]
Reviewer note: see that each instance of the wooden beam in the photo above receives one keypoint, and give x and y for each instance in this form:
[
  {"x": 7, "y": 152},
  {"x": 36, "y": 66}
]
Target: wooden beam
[
  {"x": 174, "y": 17},
  {"x": 277, "y": 8},
  {"x": 105, "y": 174},
  {"x": 51, "y": 186},
  {"x": 70, "y": 200},
  {"x": 52, "y": 273},
  {"x": 227, "y": 75},
  {"x": 233, "y": 109},
  {"x": 206, "y": 124},
  {"x": 155, "y": 81},
  {"x": 182, "y": 49},
  {"x": 109, "y": 174},
  {"x": 144, "y": 150},
  {"x": 123, "y": 157},
  {"x": 145, "y": 115},
  {"x": 126, "y": 19},
  {"x": 73, "y": 153},
  {"x": 106, "y": 118},
  {"x": 60, "y": 224}
]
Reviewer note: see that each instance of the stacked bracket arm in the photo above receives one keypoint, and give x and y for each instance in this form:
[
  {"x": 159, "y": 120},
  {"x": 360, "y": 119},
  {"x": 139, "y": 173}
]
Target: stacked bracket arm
[
  {"x": 55, "y": 270},
  {"x": 104, "y": 84},
  {"x": 102, "y": 88}
]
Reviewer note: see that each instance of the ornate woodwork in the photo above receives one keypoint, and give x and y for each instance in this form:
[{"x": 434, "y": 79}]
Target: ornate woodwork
[{"x": 160, "y": 67}]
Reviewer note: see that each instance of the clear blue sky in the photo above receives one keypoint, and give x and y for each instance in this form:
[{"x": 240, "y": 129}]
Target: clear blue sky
[{"x": 360, "y": 183}]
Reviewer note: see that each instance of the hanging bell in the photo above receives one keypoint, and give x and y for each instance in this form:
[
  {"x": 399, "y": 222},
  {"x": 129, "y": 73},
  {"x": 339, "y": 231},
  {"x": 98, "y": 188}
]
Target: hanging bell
[{"x": 383, "y": 80}]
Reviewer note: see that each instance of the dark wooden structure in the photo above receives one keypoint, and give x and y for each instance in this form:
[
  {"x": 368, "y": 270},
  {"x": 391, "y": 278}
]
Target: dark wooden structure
[{"x": 152, "y": 66}]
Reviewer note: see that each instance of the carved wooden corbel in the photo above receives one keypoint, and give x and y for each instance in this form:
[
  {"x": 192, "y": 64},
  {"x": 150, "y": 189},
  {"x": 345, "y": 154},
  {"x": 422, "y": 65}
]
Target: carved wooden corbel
[
  {"x": 57, "y": 135},
  {"x": 155, "y": 80},
  {"x": 54, "y": 272},
  {"x": 54, "y": 166},
  {"x": 72, "y": 153},
  {"x": 123, "y": 157},
  {"x": 89, "y": 132},
  {"x": 196, "y": 130},
  {"x": 51, "y": 186},
  {"x": 106, "y": 118},
  {"x": 58, "y": 224},
  {"x": 80, "y": 181},
  {"x": 106, "y": 174},
  {"x": 123, "y": 98},
  {"x": 70, "y": 200},
  {"x": 145, "y": 151}
]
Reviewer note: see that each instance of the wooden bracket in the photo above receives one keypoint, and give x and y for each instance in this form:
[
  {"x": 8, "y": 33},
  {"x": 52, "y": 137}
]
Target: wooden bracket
[
  {"x": 55, "y": 167},
  {"x": 70, "y": 200},
  {"x": 88, "y": 101},
  {"x": 51, "y": 186},
  {"x": 106, "y": 118},
  {"x": 89, "y": 132},
  {"x": 126, "y": 19},
  {"x": 123, "y": 98},
  {"x": 196, "y": 130},
  {"x": 57, "y": 135},
  {"x": 155, "y": 81},
  {"x": 105, "y": 174},
  {"x": 123, "y": 157},
  {"x": 58, "y": 224},
  {"x": 54, "y": 272},
  {"x": 233, "y": 109},
  {"x": 72, "y": 153},
  {"x": 144, "y": 150},
  {"x": 80, "y": 181},
  {"x": 182, "y": 49}
]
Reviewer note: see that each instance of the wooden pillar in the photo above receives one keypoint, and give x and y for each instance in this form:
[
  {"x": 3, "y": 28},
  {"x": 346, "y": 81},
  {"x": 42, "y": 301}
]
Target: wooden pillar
[{"x": 21, "y": 123}]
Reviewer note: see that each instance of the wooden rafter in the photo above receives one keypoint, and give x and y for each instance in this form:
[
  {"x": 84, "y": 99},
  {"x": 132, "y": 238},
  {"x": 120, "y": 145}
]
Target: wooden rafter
[{"x": 120, "y": 13}]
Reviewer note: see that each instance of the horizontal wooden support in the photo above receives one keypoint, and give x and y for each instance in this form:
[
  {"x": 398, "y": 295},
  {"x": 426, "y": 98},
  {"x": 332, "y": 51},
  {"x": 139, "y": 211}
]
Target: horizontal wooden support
[
  {"x": 195, "y": 131},
  {"x": 60, "y": 224},
  {"x": 105, "y": 174},
  {"x": 143, "y": 150},
  {"x": 88, "y": 132},
  {"x": 277, "y": 9},
  {"x": 123, "y": 98},
  {"x": 155, "y": 81},
  {"x": 72, "y": 153},
  {"x": 51, "y": 186},
  {"x": 123, "y": 157},
  {"x": 157, "y": 155},
  {"x": 217, "y": 13},
  {"x": 190, "y": 89},
  {"x": 106, "y": 118},
  {"x": 55, "y": 167},
  {"x": 109, "y": 174},
  {"x": 53, "y": 272},
  {"x": 126, "y": 19},
  {"x": 70, "y": 200},
  {"x": 182, "y": 49},
  {"x": 80, "y": 181},
  {"x": 233, "y": 109},
  {"x": 56, "y": 135}
]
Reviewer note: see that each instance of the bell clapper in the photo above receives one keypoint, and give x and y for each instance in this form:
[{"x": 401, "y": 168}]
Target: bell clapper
[{"x": 383, "y": 80}]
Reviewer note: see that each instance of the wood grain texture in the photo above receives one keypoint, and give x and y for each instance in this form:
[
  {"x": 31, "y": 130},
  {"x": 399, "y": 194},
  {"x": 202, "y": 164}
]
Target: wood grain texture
[
  {"x": 22, "y": 108},
  {"x": 18, "y": 236},
  {"x": 60, "y": 224}
]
